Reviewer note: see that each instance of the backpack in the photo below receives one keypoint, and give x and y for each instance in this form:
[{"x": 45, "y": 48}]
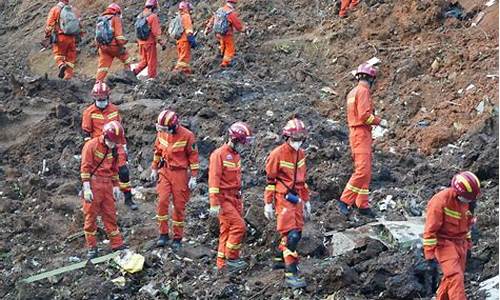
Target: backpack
[
  {"x": 142, "y": 29},
  {"x": 221, "y": 22},
  {"x": 68, "y": 21},
  {"x": 175, "y": 28},
  {"x": 104, "y": 30}
]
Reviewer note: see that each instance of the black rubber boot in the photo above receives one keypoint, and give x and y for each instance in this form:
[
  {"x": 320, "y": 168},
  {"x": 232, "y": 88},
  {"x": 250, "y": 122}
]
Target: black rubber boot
[
  {"x": 162, "y": 240},
  {"x": 129, "y": 202},
  {"x": 92, "y": 253},
  {"x": 176, "y": 245},
  {"x": 122, "y": 247},
  {"x": 343, "y": 209},
  {"x": 367, "y": 212},
  {"x": 234, "y": 265}
]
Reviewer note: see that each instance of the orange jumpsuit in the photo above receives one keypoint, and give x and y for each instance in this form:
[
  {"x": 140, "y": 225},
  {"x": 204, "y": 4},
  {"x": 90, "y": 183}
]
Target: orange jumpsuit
[
  {"x": 345, "y": 4},
  {"x": 179, "y": 153},
  {"x": 447, "y": 239},
  {"x": 183, "y": 47},
  {"x": 283, "y": 165},
  {"x": 115, "y": 49},
  {"x": 360, "y": 119},
  {"x": 93, "y": 121},
  {"x": 224, "y": 188},
  {"x": 227, "y": 48},
  {"x": 65, "y": 48},
  {"x": 147, "y": 48},
  {"x": 99, "y": 167}
]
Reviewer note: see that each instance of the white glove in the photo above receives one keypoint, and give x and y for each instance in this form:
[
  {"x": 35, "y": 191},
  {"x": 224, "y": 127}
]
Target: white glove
[
  {"x": 87, "y": 192},
  {"x": 384, "y": 123},
  {"x": 117, "y": 194},
  {"x": 154, "y": 175},
  {"x": 307, "y": 210},
  {"x": 269, "y": 211},
  {"x": 214, "y": 211},
  {"x": 192, "y": 183}
]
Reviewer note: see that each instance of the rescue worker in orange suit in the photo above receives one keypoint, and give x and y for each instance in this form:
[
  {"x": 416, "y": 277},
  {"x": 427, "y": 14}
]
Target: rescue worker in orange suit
[
  {"x": 117, "y": 46},
  {"x": 99, "y": 173},
  {"x": 94, "y": 118},
  {"x": 175, "y": 154},
  {"x": 287, "y": 190},
  {"x": 360, "y": 119},
  {"x": 447, "y": 236},
  {"x": 147, "y": 48},
  {"x": 345, "y": 5},
  {"x": 224, "y": 188},
  {"x": 226, "y": 41},
  {"x": 64, "y": 46},
  {"x": 187, "y": 39}
]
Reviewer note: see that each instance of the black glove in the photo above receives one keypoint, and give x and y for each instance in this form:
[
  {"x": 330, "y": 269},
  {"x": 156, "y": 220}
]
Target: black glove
[
  {"x": 474, "y": 234},
  {"x": 123, "y": 50},
  {"x": 432, "y": 265},
  {"x": 192, "y": 41}
]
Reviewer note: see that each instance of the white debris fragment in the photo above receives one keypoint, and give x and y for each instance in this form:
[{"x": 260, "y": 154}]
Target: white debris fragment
[
  {"x": 373, "y": 61},
  {"x": 269, "y": 113},
  {"x": 378, "y": 132},
  {"x": 490, "y": 287},
  {"x": 387, "y": 203},
  {"x": 198, "y": 93},
  {"x": 329, "y": 90},
  {"x": 470, "y": 87},
  {"x": 480, "y": 107}
]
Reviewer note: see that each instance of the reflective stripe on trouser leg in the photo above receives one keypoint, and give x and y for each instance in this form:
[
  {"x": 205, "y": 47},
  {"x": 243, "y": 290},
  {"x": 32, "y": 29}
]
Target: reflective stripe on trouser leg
[
  {"x": 357, "y": 189},
  {"x": 229, "y": 50},
  {"x": 164, "y": 190},
  {"x": 108, "y": 215},
  {"x": 180, "y": 194},
  {"x": 90, "y": 225},
  {"x": 452, "y": 259},
  {"x": 184, "y": 56},
  {"x": 223, "y": 235},
  {"x": 231, "y": 212}
]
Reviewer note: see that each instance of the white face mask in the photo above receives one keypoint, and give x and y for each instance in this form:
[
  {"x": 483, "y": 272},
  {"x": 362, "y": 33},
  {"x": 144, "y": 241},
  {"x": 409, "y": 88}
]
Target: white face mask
[
  {"x": 101, "y": 103},
  {"x": 296, "y": 145},
  {"x": 109, "y": 144}
]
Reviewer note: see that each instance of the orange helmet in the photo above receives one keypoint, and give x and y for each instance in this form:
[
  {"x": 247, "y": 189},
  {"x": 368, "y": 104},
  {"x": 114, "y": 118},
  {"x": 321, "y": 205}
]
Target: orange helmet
[
  {"x": 295, "y": 129},
  {"x": 100, "y": 90},
  {"x": 167, "y": 120},
  {"x": 115, "y": 8},
  {"x": 466, "y": 185},
  {"x": 113, "y": 131},
  {"x": 241, "y": 133}
]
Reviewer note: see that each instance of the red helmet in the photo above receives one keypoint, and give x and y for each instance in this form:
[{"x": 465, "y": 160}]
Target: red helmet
[
  {"x": 100, "y": 90},
  {"x": 295, "y": 129},
  {"x": 113, "y": 131},
  {"x": 185, "y": 5},
  {"x": 367, "y": 69},
  {"x": 167, "y": 119},
  {"x": 467, "y": 185},
  {"x": 151, "y": 3},
  {"x": 241, "y": 133},
  {"x": 115, "y": 8}
]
